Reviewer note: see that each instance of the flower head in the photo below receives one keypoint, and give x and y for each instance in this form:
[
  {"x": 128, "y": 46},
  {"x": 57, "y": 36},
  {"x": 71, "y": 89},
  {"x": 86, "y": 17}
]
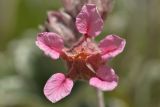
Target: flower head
[{"x": 85, "y": 59}]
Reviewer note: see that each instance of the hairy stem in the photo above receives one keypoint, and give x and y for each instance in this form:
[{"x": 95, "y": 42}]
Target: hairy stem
[{"x": 100, "y": 98}]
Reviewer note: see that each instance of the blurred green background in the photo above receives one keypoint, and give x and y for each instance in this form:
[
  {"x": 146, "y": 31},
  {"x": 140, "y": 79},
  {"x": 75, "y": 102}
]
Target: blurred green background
[{"x": 24, "y": 69}]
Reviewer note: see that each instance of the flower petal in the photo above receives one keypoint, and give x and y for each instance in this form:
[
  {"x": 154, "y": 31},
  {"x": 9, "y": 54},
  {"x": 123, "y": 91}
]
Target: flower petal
[
  {"x": 106, "y": 79},
  {"x": 102, "y": 85},
  {"x": 106, "y": 73},
  {"x": 57, "y": 87},
  {"x": 111, "y": 46},
  {"x": 50, "y": 43},
  {"x": 88, "y": 21}
]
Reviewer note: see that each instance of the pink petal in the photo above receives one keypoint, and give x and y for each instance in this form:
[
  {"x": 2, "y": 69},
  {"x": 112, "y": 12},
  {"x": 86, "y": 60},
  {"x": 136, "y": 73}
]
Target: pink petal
[
  {"x": 57, "y": 87},
  {"x": 106, "y": 79},
  {"x": 102, "y": 85},
  {"x": 50, "y": 43},
  {"x": 88, "y": 21},
  {"x": 106, "y": 73},
  {"x": 111, "y": 46}
]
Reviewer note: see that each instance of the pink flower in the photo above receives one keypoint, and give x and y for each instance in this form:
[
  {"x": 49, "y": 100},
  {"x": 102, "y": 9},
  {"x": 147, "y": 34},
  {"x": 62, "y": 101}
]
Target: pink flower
[{"x": 85, "y": 60}]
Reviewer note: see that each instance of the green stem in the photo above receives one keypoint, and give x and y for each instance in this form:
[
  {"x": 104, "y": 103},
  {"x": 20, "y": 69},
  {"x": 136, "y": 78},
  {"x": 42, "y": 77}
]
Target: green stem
[{"x": 100, "y": 98}]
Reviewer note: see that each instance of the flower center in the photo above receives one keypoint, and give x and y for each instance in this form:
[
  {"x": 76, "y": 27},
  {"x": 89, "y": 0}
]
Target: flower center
[{"x": 77, "y": 61}]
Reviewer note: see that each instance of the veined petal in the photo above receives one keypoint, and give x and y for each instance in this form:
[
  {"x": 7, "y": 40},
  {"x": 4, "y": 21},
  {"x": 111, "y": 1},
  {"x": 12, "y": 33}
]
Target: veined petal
[
  {"x": 106, "y": 79},
  {"x": 111, "y": 46},
  {"x": 50, "y": 43},
  {"x": 89, "y": 21},
  {"x": 57, "y": 87}
]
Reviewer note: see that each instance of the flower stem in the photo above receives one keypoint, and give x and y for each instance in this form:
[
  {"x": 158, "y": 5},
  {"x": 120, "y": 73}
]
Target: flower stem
[{"x": 100, "y": 98}]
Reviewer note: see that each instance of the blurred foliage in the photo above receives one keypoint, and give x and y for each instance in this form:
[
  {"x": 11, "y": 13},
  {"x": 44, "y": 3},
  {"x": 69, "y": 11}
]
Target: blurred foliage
[{"x": 24, "y": 69}]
